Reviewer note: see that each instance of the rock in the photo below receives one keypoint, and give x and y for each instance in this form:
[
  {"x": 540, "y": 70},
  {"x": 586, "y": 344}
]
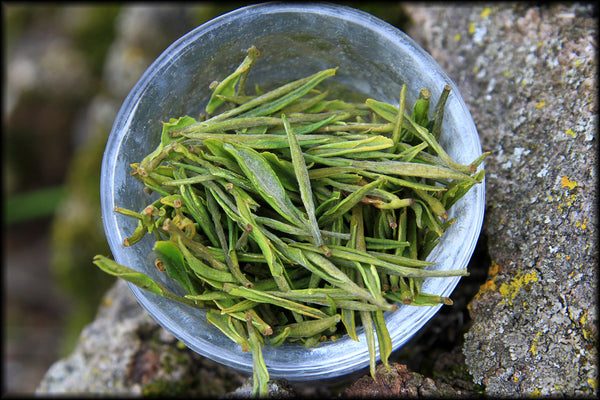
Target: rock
[
  {"x": 527, "y": 74},
  {"x": 124, "y": 352},
  {"x": 99, "y": 365},
  {"x": 278, "y": 388},
  {"x": 399, "y": 382}
]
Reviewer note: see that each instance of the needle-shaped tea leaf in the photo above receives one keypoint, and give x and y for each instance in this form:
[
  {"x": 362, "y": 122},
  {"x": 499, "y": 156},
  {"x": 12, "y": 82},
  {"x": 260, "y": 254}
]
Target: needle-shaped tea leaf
[
  {"x": 383, "y": 337},
  {"x": 420, "y": 112},
  {"x": 221, "y": 322},
  {"x": 288, "y": 98},
  {"x": 202, "y": 269},
  {"x": 397, "y": 131},
  {"x": 262, "y": 297},
  {"x": 352, "y": 146},
  {"x": 348, "y": 202},
  {"x": 260, "y": 374},
  {"x": 171, "y": 256},
  {"x": 234, "y": 268},
  {"x": 139, "y": 279},
  {"x": 303, "y": 182},
  {"x": 266, "y": 182},
  {"x": 165, "y": 139},
  {"x": 227, "y": 86},
  {"x": 311, "y": 327},
  {"x": 435, "y": 125}
]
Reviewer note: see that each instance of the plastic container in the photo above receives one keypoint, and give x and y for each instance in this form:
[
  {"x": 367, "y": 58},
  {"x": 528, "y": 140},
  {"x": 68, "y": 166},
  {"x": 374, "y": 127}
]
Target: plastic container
[{"x": 295, "y": 40}]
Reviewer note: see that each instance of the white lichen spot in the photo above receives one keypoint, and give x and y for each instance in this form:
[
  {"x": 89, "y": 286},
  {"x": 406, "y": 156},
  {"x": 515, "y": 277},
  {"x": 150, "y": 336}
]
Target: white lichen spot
[
  {"x": 589, "y": 136},
  {"x": 552, "y": 62},
  {"x": 533, "y": 199},
  {"x": 479, "y": 33},
  {"x": 518, "y": 152},
  {"x": 543, "y": 172},
  {"x": 481, "y": 74},
  {"x": 491, "y": 85},
  {"x": 531, "y": 59}
]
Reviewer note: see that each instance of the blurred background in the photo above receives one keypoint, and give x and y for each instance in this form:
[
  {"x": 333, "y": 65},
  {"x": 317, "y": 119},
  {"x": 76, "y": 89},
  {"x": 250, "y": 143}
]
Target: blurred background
[{"x": 67, "y": 69}]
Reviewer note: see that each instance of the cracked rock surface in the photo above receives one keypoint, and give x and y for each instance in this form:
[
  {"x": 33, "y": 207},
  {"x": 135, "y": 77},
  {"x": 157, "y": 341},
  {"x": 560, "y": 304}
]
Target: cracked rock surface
[
  {"x": 528, "y": 75},
  {"x": 124, "y": 352}
]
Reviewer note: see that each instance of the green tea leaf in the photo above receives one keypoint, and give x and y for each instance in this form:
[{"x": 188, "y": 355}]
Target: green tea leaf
[
  {"x": 171, "y": 256},
  {"x": 259, "y": 172},
  {"x": 227, "y": 86},
  {"x": 303, "y": 182}
]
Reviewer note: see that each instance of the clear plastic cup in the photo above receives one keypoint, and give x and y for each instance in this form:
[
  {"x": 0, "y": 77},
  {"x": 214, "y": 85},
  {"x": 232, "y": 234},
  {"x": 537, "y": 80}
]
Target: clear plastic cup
[{"x": 295, "y": 40}]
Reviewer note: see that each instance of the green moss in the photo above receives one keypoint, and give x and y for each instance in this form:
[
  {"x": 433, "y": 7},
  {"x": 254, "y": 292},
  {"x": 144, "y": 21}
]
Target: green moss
[
  {"x": 168, "y": 388},
  {"x": 458, "y": 372}
]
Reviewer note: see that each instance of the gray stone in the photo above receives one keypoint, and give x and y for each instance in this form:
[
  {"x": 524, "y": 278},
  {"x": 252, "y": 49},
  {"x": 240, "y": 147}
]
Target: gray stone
[
  {"x": 528, "y": 75},
  {"x": 99, "y": 363},
  {"x": 278, "y": 388},
  {"x": 124, "y": 352}
]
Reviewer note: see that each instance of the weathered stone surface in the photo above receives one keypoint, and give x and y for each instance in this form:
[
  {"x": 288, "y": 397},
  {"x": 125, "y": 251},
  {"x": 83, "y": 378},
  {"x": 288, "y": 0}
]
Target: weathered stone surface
[
  {"x": 99, "y": 365},
  {"x": 399, "y": 382},
  {"x": 124, "y": 352},
  {"x": 278, "y": 388},
  {"x": 528, "y": 75}
]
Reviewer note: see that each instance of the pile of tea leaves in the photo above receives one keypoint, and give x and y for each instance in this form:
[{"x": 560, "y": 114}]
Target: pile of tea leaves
[{"x": 291, "y": 216}]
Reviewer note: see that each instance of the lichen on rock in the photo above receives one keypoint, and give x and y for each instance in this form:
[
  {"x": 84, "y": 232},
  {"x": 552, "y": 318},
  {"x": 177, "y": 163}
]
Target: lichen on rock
[{"x": 527, "y": 73}]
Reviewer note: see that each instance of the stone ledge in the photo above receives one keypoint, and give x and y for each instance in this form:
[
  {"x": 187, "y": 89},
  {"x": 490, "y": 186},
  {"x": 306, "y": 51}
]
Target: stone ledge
[{"x": 528, "y": 75}]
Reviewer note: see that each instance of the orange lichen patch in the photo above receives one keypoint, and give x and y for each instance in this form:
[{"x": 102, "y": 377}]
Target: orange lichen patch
[
  {"x": 582, "y": 224},
  {"x": 592, "y": 382},
  {"x": 566, "y": 182},
  {"x": 489, "y": 285},
  {"x": 493, "y": 270},
  {"x": 486, "y": 11},
  {"x": 540, "y": 104},
  {"x": 572, "y": 133}
]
